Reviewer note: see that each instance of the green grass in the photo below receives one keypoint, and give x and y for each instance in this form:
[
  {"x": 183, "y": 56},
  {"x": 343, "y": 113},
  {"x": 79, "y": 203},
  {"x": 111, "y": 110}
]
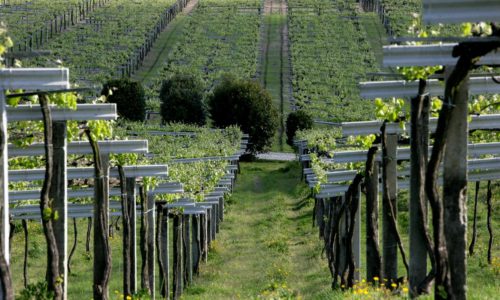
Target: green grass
[
  {"x": 266, "y": 242},
  {"x": 273, "y": 65},
  {"x": 266, "y": 245}
]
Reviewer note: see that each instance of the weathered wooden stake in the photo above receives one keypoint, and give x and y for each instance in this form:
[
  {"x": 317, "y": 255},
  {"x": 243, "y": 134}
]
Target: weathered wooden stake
[
  {"x": 356, "y": 239},
  {"x": 163, "y": 253},
  {"x": 419, "y": 138},
  {"x": 373, "y": 259},
  {"x": 196, "y": 246},
  {"x": 177, "y": 262},
  {"x": 188, "y": 263},
  {"x": 489, "y": 195},
  {"x": 102, "y": 251},
  {"x": 131, "y": 202},
  {"x": 125, "y": 233},
  {"x": 389, "y": 179},
  {"x": 59, "y": 193},
  {"x": 150, "y": 215},
  {"x": 455, "y": 191},
  {"x": 474, "y": 221},
  {"x": 204, "y": 236}
]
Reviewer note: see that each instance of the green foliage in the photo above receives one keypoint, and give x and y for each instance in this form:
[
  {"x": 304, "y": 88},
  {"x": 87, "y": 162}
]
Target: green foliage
[
  {"x": 214, "y": 42},
  {"x": 5, "y": 42},
  {"x": 362, "y": 141},
  {"x": 391, "y": 111},
  {"x": 484, "y": 104},
  {"x": 93, "y": 50},
  {"x": 182, "y": 100},
  {"x": 36, "y": 291},
  {"x": 297, "y": 120},
  {"x": 185, "y": 141},
  {"x": 320, "y": 140},
  {"x": 246, "y": 104},
  {"x": 128, "y": 96},
  {"x": 326, "y": 72},
  {"x": 416, "y": 73}
]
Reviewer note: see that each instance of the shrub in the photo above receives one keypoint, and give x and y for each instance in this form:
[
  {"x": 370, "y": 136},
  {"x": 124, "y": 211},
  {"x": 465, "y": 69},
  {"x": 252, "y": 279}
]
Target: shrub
[
  {"x": 297, "y": 120},
  {"x": 182, "y": 100},
  {"x": 246, "y": 104},
  {"x": 128, "y": 96}
]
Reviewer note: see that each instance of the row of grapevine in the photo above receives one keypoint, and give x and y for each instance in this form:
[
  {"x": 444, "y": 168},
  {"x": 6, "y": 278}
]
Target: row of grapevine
[
  {"x": 218, "y": 38},
  {"x": 196, "y": 213},
  {"x": 330, "y": 53},
  {"x": 112, "y": 41},
  {"x": 331, "y": 178},
  {"x": 33, "y": 23}
]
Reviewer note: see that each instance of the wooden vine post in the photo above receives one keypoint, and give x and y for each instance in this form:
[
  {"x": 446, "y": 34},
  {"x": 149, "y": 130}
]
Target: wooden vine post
[
  {"x": 102, "y": 251},
  {"x": 455, "y": 188},
  {"x": 420, "y": 243},
  {"x": 373, "y": 258},
  {"x": 177, "y": 259},
  {"x": 126, "y": 228},
  {"x": 163, "y": 249},
  {"x": 131, "y": 203},
  {"x": 150, "y": 217},
  {"x": 59, "y": 192},
  {"x": 389, "y": 180},
  {"x": 47, "y": 210}
]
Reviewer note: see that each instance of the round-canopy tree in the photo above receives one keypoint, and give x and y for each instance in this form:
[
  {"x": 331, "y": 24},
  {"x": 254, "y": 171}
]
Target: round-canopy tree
[
  {"x": 297, "y": 120},
  {"x": 128, "y": 96},
  {"x": 246, "y": 104},
  {"x": 182, "y": 100}
]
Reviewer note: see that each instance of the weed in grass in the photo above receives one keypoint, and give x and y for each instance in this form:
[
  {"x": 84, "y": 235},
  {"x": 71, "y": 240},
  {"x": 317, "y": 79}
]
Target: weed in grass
[
  {"x": 279, "y": 244},
  {"x": 35, "y": 251}
]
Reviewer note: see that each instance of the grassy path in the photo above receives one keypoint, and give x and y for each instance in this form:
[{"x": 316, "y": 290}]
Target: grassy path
[
  {"x": 266, "y": 244},
  {"x": 275, "y": 65}
]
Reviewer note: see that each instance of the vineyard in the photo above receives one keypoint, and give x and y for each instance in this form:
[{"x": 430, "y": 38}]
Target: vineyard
[{"x": 144, "y": 149}]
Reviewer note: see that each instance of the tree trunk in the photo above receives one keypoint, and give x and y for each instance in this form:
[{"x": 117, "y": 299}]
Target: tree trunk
[
  {"x": 373, "y": 259},
  {"x": 46, "y": 210}
]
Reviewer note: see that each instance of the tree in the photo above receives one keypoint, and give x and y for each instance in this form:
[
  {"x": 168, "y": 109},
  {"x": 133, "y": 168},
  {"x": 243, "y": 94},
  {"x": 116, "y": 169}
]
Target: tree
[
  {"x": 128, "y": 96},
  {"x": 297, "y": 120},
  {"x": 246, "y": 104},
  {"x": 182, "y": 100}
]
